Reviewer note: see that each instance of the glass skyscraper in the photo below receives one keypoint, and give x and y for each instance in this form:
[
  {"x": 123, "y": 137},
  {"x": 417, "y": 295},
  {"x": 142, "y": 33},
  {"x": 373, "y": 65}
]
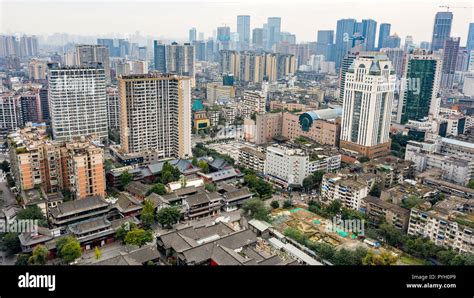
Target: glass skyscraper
[
  {"x": 369, "y": 28},
  {"x": 441, "y": 29},
  {"x": 344, "y": 32},
  {"x": 243, "y": 29},
  {"x": 384, "y": 32}
]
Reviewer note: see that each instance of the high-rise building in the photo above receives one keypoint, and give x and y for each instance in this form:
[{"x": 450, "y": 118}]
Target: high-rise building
[
  {"x": 113, "y": 108},
  {"x": 44, "y": 103},
  {"x": 29, "y": 107},
  {"x": 450, "y": 55},
  {"x": 397, "y": 57},
  {"x": 9, "y": 46},
  {"x": 425, "y": 45},
  {"x": 324, "y": 44},
  {"x": 384, "y": 32},
  {"x": 346, "y": 63},
  {"x": 369, "y": 29},
  {"x": 92, "y": 54},
  {"x": 252, "y": 67},
  {"x": 107, "y": 42},
  {"x": 253, "y": 102},
  {"x": 257, "y": 38},
  {"x": 470, "y": 38},
  {"x": 54, "y": 166},
  {"x": 243, "y": 29},
  {"x": 192, "y": 35},
  {"x": 368, "y": 95},
  {"x": 273, "y": 31},
  {"x": 28, "y": 46},
  {"x": 180, "y": 59},
  {"x": 441, "y": 29},
  {"x": 210, "y": 50},
  {"x": 344, "y": 32},
  {"x": 78, "y": 104},
  {"x": 8, "y": 112},
  {"x": 37, "y": 69},
  {"x": 223, "y": 38},
  {"x": 155, "y": 115},
  {"x": 421, "y": 82},
  {"x": 392, "y": 41},
  {"x": 159, "y": 50},
  {"x": 200, "y": 50}
]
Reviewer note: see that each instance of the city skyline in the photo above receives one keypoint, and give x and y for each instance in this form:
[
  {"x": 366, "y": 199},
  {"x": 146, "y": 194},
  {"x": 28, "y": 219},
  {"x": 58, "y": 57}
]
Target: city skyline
[{"x": 296, "y": 18}]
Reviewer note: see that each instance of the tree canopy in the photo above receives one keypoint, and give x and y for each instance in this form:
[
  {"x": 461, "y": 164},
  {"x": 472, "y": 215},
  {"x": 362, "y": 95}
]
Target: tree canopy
[{"x": 168, "y": 216}]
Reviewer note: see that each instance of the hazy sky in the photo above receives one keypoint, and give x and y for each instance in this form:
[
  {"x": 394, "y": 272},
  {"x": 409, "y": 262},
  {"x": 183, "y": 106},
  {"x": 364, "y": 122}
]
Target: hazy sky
[{"x": 172, "y": 19}]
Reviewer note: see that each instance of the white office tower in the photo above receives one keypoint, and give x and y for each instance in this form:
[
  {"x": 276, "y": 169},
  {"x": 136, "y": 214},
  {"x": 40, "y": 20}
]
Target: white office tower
[
  {"x": 155, "y": 115},
  {"x": 367, "y": 103},
  {"x": 78, "y": 103}
]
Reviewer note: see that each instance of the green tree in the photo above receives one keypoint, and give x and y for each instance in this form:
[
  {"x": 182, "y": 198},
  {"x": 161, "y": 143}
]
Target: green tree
[
  {"x": 255, "y": 208},
  {"x": 147, "y": 215},
  {"x": 138, "y": 237},
  {"x": 123, "y": 230},
  {"x": 287, "y": 204},
  {"x": 334, "y": 207},
  {"x": 33, "y": 213},
  {"x": 382, "y": 259},
  {"x": 275, "y": 204},
  {"x": 168, "y": 216},
  {"x": 11, "y": 243},
  {"x": 194, "y": 162},
  {"x": 125, "y": 179},
  {"x": 471, "y": 184},
  {"x": 97, "y": 253},
  {"x": 376, "y": 190},
  {"x": 363, "y": 159},
  {"x": 22, "y": 260},
  {"x": 68, "y": 249},
  {"x": 5, "y": 166},
  {"x": 210, "y": 187},
  {"x": 204, "y": 166},
  {"x": 313, "y": 181},
  {"x": 158, "y": 188},
  {"x": 39, "y": 255},
  {"x": 392, "y": 235},
  {"x": 411, "y": 201}
]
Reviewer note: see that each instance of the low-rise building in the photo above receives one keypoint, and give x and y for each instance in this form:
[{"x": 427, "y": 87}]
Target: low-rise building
[
  {"x": 379, "y": 211},
  {"x": 350, "y": 190},
  {"x": 217, "y": 244},
  {"x": 449, "y": 223},
  {"x": 252, "y": 158},
  {"x": 322, "y": 126}
]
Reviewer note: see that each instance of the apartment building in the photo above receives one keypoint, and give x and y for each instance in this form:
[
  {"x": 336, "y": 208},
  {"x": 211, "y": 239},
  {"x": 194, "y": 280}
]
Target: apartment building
[
  {"x": 253, "y": 103},
  {"x": 348, "y": 189},
  {"x": 448, "y": 223},
  {"x": 251, "y": 158},
  {"x": 216, "y": 92},
  {"x": 8, "y": 112},
  {"x": 155, "y": 115},
  {"x": 113, "y": 108},
  {"x": 379, "y": 211},
  {"x": 76, "y": 166},
  {"x": 267, "y": 126},
  {"x": 78, "y": 103},
  {"x": 456, "y": 167}
]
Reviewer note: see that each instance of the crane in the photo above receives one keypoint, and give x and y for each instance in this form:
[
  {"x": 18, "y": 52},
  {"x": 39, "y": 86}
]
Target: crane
[{"x": 448, "y": 7}]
